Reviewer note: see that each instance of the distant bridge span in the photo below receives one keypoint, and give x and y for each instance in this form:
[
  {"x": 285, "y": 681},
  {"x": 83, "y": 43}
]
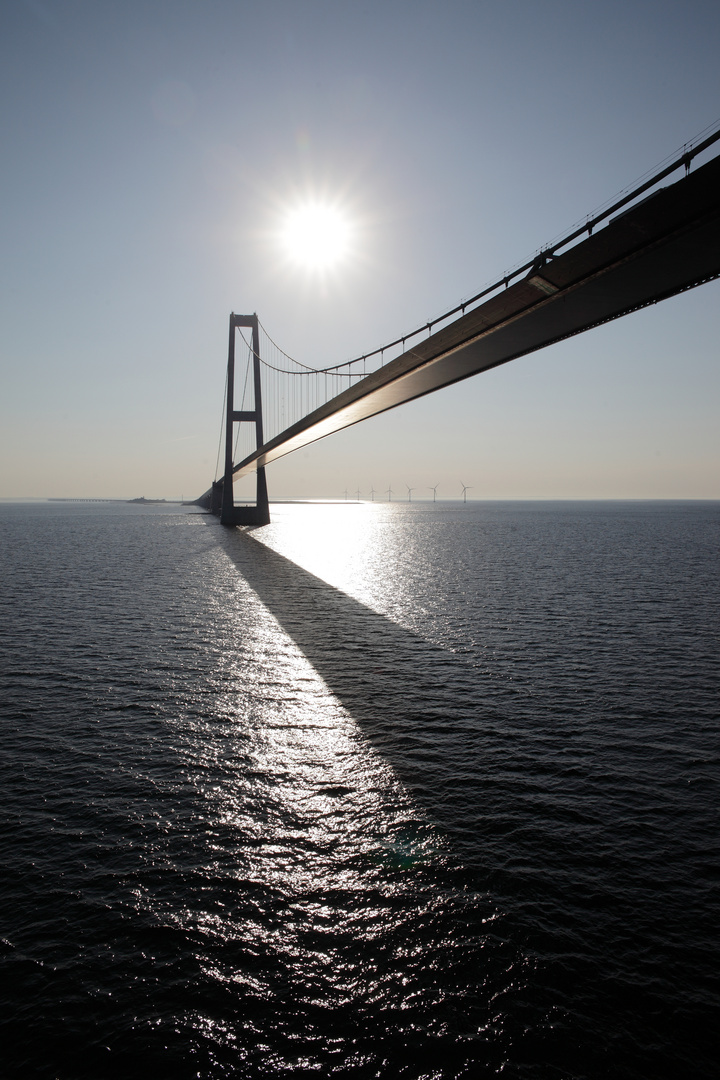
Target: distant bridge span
[{"x": 661, "y": 246}]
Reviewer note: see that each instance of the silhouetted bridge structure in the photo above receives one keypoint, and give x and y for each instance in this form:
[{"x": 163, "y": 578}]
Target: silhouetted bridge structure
[{"x": 635, "y": 253}]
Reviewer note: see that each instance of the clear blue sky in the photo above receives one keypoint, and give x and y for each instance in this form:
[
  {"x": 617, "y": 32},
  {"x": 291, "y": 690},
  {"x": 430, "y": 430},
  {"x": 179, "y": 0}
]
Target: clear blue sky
[{"x": 150, "y": 149}]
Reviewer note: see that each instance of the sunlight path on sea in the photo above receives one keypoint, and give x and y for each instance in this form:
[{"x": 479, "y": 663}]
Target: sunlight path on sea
[{"x": 325, "y": 887}]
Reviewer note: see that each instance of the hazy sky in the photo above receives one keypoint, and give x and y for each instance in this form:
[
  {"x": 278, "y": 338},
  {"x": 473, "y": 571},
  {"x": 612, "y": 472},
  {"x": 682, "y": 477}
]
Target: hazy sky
[{"x": 151, "y": 149}]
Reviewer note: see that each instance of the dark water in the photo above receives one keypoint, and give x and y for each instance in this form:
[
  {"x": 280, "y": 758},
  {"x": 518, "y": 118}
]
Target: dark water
[{"x": 377, "y": 791}]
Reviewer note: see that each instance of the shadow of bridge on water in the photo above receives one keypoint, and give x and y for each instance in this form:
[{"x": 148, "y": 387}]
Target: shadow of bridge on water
[{"x": 456, "y": 736}]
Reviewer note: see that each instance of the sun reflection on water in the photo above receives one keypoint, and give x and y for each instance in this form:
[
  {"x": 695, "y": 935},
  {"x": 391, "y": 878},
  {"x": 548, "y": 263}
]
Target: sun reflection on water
[
  {"x": 355, "y": 547},
  {"x": 324, "y": 896}
]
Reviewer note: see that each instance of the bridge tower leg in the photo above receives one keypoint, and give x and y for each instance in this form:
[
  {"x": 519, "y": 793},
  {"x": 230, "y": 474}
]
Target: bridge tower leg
[{"x": 230, "y": 514}]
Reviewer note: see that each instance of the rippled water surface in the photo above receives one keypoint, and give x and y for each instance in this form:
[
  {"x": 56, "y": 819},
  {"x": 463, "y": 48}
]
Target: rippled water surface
[{"x": 377, "y": 790}]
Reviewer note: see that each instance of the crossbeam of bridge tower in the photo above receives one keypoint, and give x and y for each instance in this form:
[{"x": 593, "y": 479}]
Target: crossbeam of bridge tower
[{"x": 230, "y": 514}]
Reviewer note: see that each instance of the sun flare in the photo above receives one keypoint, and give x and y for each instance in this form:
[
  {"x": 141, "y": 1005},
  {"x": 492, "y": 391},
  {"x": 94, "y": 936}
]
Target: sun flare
[{"x": 316, "y": 237}]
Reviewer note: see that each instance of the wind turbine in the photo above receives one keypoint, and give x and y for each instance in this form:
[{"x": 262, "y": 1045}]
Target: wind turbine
[
  {"x": 346, "y": 494},
  {"x": 358, "y": 494},
  {"x": 389, "y": 494},
  {"x": 434, "y": 491},
  {"x": 410, "y": 491},
  {"x": 372, "y": 494},
  {"x": 465, "y": 489}
]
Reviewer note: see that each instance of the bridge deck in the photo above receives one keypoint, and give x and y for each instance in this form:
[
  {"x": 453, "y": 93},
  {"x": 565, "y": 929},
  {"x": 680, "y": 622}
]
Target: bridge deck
[{"x": 664, "y": 245}]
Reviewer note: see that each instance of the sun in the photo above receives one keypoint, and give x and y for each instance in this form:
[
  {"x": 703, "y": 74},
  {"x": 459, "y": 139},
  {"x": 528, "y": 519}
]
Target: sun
[{"x": 316, "y": 236}]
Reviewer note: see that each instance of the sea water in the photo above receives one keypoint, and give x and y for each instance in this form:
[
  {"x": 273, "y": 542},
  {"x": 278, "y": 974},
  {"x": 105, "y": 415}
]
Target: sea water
[{"x": 418, "y": 790}]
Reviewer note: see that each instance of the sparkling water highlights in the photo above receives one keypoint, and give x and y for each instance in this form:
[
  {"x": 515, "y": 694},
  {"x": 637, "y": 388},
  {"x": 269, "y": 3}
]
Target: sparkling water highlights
[{"x": 381, "y": 790}]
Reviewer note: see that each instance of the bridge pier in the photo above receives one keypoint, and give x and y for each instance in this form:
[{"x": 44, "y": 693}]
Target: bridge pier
[
  {"x": 248, "y": 515},
  {"x": 230, "y": 514}
]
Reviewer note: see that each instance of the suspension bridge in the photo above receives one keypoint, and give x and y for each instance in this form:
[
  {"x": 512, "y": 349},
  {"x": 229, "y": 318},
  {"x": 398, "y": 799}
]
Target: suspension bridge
[{"x": 650, "y": 244}]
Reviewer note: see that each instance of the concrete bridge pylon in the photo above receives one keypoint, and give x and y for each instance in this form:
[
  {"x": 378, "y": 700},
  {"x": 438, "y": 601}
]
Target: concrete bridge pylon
[{"x": 223, "y": 500}]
